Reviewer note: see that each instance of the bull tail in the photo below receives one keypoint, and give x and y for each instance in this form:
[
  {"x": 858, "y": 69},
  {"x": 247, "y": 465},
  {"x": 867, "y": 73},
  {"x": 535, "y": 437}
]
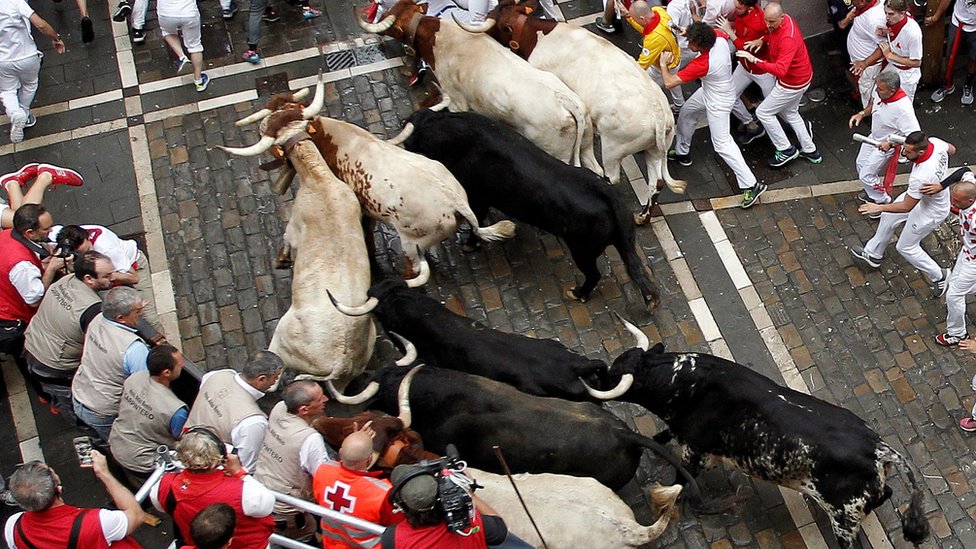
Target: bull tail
[
  {"x": 914, "y": 528},
  {"x": 626, "y": 244},
  {"x": 503, "y": 230},
  {"x": 575, "y": 108},
  {"x": 691, "y": 490},
  {"x": 664, "y": 139}
]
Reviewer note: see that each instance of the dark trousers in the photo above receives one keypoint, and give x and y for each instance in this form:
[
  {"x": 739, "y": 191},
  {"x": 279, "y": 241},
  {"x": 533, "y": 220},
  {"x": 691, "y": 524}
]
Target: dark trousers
[{"x": 12, "y": 343}]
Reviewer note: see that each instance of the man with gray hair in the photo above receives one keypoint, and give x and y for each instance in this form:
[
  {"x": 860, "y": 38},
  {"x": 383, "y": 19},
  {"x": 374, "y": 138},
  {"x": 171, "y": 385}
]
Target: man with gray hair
[
  {"x": 291, "y": 453},
  {"x": 227, "y": 402},
  {"x": 49, "y": 522},
  {"x": 892, "y": 113},
  {"x": 112, "y": 352}
]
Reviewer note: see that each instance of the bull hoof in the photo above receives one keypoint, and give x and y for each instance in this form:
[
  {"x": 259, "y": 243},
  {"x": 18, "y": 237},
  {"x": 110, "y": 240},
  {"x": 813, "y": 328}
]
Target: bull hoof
[
  {"x": 284, "y": 264},
  {"x": 571, "y": 294},
  {"x": 642, "y": 218},
  {"x": 469, "y": 248}
]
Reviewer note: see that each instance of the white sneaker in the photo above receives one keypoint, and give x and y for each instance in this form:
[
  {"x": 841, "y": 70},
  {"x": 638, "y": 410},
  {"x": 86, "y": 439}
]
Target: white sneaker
[
  {"x": 940, "y": 288},
  {"x": 17, "y": 132}
]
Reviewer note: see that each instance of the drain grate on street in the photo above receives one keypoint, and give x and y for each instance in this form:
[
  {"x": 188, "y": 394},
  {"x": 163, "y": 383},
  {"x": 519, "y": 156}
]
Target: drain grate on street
[{"x": 339, "y": 60}]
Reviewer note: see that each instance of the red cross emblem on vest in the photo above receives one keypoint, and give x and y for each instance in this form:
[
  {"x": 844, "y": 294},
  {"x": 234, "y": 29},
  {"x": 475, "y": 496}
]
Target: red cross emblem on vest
[{"x": 338, "y": 497}]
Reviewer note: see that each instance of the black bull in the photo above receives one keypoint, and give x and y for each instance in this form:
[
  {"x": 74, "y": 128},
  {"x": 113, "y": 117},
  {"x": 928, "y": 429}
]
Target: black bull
[
  {"x": 541, "y": 367},
  {"x": 536, "y": 434},
  {"x": 717, "y": 408},
  {"x": 499, "y": 168}
]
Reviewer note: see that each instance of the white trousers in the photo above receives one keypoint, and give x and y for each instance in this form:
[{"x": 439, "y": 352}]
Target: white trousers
[
  {"x": 871, "y": 164},
  {"x": 18, "y": 84},
  {"x": 909, "y": 81},
  {"x": 962, "y": 283},
  {"x": 138, "y": 17},
  {"x": 718, "y": 125},
  {"x": 741, "y": 78},
  {"x": 909, "y": 245},
  {"x": 865, "y": 83},
  {"x": 785, "y": 102}
]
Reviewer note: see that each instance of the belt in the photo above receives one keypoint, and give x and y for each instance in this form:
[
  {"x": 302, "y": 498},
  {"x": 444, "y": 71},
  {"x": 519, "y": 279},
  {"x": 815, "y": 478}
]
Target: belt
[{"x": 12, "y": 323}]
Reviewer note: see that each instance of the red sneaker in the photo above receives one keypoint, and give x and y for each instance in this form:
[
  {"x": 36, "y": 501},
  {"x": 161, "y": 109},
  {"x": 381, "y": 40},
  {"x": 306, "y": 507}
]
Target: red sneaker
[
  {"x": 967, "y": 424},
  {"x": 61, "y": 176},
  {"x": 22, "y": 176}
]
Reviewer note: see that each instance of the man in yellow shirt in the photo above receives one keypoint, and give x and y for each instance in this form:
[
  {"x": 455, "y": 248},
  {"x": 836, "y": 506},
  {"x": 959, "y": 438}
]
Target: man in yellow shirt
[{"x": 654, "y": 24}]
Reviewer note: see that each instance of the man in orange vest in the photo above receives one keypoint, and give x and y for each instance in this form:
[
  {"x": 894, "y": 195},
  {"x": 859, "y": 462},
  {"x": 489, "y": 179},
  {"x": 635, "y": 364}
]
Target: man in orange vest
[
  {"x": 49, "y": 522},
  {"x": 348, "y": 487}
]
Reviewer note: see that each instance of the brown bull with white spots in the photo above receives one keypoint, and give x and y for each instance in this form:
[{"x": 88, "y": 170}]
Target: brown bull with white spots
[
  {"x": 481, "y": 76},
  {"x": 628, "y": 109},
  {"x": 416, "y": 195}
]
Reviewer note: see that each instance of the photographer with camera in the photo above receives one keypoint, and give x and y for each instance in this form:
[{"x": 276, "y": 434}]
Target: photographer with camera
[
  {"x": 214, "y": 475},
  {"x": 441, "y": 511}
]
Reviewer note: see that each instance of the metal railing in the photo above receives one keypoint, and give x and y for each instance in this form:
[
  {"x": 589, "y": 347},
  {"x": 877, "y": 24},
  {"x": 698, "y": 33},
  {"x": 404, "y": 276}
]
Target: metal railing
[{"x": 166, "y": 463}]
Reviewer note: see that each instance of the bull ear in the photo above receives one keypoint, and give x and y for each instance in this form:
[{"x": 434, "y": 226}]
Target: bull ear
[
  {"x": 423, "y": 8},
  {"x": 657, "y": 349}
]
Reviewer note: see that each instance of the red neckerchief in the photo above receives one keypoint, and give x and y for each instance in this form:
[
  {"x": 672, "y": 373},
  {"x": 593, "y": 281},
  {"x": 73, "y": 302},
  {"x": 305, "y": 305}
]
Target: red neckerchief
[
  {"x": 652, "y": 24},
  {"x": 865, "y": 7},
  {"x": 925, "y": 156},
  {"x": 899, "y": 93},
  {"x": 893, "y": 30}
]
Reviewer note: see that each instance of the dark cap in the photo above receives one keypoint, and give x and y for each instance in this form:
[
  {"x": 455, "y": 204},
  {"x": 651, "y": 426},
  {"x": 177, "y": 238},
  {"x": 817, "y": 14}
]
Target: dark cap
[{"x": 414, "y": 486}]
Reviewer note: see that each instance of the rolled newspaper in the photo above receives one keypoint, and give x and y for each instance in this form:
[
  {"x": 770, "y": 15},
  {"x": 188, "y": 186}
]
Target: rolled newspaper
[{"x": 894, "y": 139}]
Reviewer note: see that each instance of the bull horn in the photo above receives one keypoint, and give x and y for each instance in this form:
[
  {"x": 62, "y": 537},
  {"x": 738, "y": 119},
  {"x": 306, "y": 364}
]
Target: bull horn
[
  {"x": 421, "y": 278},
  {"x": 252, "y": 118},
  {"x": 410, "y": 353},
  {"x": 640, "y": 336},
  {"x": 626, "y": 381},
  {"x": 376, "y": 28},
  {"x": 260, "y": 147},
  {"x": 403, "y": 396},
  {"x": 366, "y": 394},
  {"x": 318, "y": 101},
  {"x": 445, "y": 102},
  {"x": 404, "y": 134},
  {"x": 474, "y": 28},
  {"x": 300, "y": 94},
  {"x": 358, "y": 310}
]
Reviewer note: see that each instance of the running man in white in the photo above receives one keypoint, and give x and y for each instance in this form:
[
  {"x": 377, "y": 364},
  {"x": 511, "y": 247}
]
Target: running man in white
[
  {"x": 867, "y": 30},
  {"x": 713, "y": 100},
  {"x": 903, "y": 48},
  {"x": 920, "y": 213},
  {"x": 891, "y": 112},
  {"x": 963, "y": 283}
]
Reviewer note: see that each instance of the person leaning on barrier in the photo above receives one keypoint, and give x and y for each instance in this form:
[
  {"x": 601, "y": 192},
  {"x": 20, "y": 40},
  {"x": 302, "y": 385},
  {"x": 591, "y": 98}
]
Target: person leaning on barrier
[
  {"x": 113, "y": 351},
  {"x": 415, "y": 493},
  {"x": 214, "y": 476},
  {"x": 227, "y": 402},
  {"x": 150, "y": 414},
  {"x": 349, "y": 487},
  {"x": 290, "y": 454},
  {"x": 54, "y": 338},
  {"x": 213, "y": 528},
  {"x": 49, "y": 522}
]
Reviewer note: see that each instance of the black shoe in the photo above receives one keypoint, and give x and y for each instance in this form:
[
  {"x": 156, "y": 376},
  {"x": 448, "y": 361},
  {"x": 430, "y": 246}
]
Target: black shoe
[
  {"x": 814, "y": 157},
  {"x": 138, "y": 36},
  {"x": 683, "y": 159},
  {"x": 748, "y": 136},
  {"x": 603, "y": 26},
  {"x": 270, "y": 15},
  {"x": 121, "y": 12},
  {"x": 87, "y": 30}
]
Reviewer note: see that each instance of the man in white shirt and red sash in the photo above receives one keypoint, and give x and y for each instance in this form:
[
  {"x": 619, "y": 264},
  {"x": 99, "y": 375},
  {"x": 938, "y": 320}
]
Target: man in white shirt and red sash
[{"x": 903, "y": 48}]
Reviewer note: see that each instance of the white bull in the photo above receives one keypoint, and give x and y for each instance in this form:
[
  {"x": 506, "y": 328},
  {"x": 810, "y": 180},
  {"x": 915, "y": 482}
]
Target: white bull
[
  {"x": 326, "y": 242},
  {"x": 573, "y": 512},
  {"x": 628, "y": 109},
  {"x": 481, "y": 76}
]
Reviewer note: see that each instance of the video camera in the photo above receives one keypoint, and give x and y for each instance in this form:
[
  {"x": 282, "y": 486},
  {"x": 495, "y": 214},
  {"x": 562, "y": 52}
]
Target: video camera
[{"x": 453, "y": 489}]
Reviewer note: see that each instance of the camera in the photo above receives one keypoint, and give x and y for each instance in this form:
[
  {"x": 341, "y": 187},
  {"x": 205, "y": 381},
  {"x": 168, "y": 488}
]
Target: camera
[
  {"x": 452, "y": 489},
  {"x": 65, "y": 248}
]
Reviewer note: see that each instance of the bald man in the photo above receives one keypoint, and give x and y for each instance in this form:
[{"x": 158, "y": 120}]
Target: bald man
[
  {"x": 963, "y": 281},
  {"x": 349, "y": 487}
]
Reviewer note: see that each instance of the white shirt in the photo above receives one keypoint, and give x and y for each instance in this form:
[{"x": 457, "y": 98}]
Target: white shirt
[
  {"x": 715, "y": 8},
  {"x": 123, "y": 253},
  {"x": 863, "y": 38},
  {"x": 908, "y": 44},
  {"x": 897, "y": 117},
  {"x": 256, "y": 500},
  {"x": 313, "y": 453},
  {"x": 717, "y": 89},
  {"x": 967, "y": 222},
  {"x": 933, "y": 169},
  {"x": 964, "y": 15},
  {"x": 26, "y": 277},
  {"x": 114, "y": 526},
  {"x": 680, "y": 13},
  {"x": 16, "y": 41},
  {"x": 248, "y": 434}
]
